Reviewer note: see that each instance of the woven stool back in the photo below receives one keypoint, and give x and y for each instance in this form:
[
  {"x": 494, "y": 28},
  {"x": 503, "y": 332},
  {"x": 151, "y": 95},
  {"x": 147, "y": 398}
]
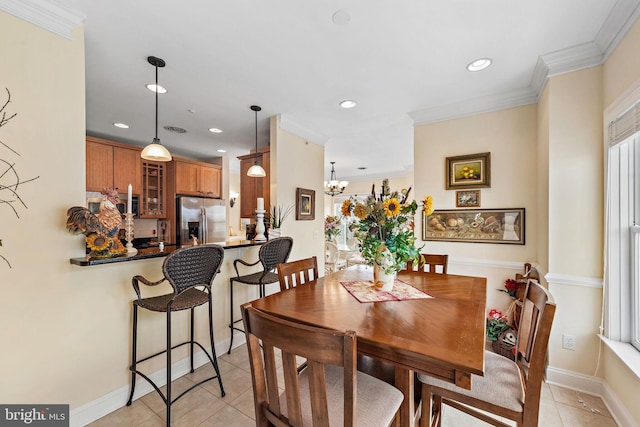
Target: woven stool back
[{"x": 193, "y": 266}]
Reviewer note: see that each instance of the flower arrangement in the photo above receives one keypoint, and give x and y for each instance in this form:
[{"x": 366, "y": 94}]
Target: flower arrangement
[
  {"x": 497, "y": 322},
  {"x": 331, "y": 227},
  {"x": 510, "y": 287},
  {"x": 277, "y": 215},
  {"x": 385, "y": 227}
]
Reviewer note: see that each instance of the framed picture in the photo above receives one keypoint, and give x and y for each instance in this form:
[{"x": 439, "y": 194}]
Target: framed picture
[
  {"x": 475, "y": 226},
  {"x": 305, "y": 204},
  {"x": 470, "y": 171},
  {"x": 468, "y": 199}
]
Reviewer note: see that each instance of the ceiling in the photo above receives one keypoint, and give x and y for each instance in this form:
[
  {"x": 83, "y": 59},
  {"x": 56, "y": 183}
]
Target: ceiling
[{"x": 403, "y": 62}]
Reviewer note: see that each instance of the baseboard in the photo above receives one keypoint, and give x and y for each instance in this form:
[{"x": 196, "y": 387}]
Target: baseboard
[
  {"x": 595, "y": 386},
  {"x": 110, "y": 402}
]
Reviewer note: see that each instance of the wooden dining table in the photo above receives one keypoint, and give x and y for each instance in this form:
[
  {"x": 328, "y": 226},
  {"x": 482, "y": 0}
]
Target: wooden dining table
[{"x": 443, "y": 336}]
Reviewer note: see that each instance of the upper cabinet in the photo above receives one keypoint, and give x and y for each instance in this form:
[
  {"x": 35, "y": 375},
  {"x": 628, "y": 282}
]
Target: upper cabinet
[
  {"x": 154, "y": 193},
  {"x": 252, "y": 188},
  {"x": 112, "y": 165},
  {"x": 198, "y": 179}
]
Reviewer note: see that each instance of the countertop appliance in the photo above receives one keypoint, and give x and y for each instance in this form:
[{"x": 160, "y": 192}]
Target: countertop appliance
[{"x": 202, "y": 218}]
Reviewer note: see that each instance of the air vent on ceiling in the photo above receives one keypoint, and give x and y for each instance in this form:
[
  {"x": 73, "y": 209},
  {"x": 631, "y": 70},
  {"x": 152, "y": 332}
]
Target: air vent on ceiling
[{"x": 175, "y": 129}]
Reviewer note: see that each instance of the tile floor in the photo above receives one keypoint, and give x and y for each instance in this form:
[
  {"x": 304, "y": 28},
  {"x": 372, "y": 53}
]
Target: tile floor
[{"x": 204, "y": 407}]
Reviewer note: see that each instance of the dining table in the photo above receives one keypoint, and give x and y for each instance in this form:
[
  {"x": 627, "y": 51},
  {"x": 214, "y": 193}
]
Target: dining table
[{"x": 437, "y": 329}]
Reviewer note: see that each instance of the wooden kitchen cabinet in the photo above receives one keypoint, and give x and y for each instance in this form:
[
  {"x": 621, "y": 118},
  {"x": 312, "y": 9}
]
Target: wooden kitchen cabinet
[
  {"x": 198, "y": 179},
  {"x": 110, "y": 164},
  {"x": 153, "y": 203},
  {"x": 252, "y": 188}
]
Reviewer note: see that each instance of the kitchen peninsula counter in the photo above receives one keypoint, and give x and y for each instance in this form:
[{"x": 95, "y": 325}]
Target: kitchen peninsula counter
[{"x": 155, "y": 252}]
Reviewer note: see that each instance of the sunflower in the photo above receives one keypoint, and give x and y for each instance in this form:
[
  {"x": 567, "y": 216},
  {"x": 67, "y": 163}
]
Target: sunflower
[
  {"x": 360, "y": 211},
  {"x": 391, "y": 207},
  {"x": 117, "y": 247},
  {"x": 346, "y": 208},
  {"x": 428, "y": 205},
  {"x": 98, "y": 242}
]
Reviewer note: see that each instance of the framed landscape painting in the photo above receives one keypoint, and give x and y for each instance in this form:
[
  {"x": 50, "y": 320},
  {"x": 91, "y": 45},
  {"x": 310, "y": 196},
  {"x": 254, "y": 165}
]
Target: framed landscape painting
[
  {"x": 475, "y": 226},
  {"x": 468, "y": 171}
]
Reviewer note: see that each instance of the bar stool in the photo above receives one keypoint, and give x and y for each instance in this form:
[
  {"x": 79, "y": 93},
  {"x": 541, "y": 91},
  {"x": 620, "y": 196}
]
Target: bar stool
[
  {"x": 186, "y": 270},
  {"x": 272, "y": 253}
]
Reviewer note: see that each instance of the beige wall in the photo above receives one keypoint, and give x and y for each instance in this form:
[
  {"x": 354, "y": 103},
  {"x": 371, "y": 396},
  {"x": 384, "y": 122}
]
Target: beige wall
[
  {"x": 621, "y": 73},
  {"x": 298, "y": 164}
]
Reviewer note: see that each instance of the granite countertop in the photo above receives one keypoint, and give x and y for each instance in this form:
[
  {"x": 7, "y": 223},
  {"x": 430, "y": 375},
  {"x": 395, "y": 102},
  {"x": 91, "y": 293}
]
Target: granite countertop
[{"x": 154, "y": 252}]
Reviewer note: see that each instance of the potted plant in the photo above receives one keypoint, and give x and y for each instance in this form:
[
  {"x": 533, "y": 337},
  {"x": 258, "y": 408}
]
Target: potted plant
[{"x": 276, "y": 216}]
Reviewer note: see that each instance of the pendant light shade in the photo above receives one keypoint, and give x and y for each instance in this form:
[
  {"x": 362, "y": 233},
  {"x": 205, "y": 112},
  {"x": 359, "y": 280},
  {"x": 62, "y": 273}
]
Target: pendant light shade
[
  {"x": 156, "y": 151},
  {"x": 256, "y": 170}
]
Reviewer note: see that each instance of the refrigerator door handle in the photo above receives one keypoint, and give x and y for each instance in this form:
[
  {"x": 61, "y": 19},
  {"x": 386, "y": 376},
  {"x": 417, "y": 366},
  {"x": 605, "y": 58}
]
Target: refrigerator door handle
[{"x": 205, "y": 231}]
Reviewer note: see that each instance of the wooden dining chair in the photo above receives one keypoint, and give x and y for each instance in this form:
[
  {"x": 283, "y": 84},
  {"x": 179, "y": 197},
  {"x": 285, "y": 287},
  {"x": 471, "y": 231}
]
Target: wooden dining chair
[
  {"x": 330, "y": 391},
  {"x": 430, "y": 263},
  {"x": 508, "y": 389},
  {"x": 295, "y": 273}
]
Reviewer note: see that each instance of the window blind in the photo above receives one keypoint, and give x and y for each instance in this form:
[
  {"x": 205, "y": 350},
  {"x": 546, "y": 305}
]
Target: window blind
[{"x": 625, "y": 125}]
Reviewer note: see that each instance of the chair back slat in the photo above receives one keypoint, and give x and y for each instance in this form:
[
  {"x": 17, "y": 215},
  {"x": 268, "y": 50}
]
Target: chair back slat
[
  {"x": 430, "y": 263},
  {"x": 319, "y": 346},
  {"x": 298, "y": 272}
]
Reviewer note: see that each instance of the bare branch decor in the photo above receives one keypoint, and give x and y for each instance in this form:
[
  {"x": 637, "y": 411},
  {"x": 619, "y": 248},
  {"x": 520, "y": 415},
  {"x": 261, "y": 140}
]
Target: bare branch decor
[{"x": 9, "y": 177}]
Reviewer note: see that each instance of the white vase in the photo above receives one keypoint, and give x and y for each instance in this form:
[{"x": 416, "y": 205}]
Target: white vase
[
  {"x": 381, "y": 280},
  {"x": 274, "y": 233}
]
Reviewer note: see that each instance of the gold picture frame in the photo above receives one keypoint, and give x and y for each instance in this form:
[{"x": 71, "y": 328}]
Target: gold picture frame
[
  {"x": 468, "y": 171},
  {"x": 468, "y": 199},
  {"x": 504, "y": 226}
]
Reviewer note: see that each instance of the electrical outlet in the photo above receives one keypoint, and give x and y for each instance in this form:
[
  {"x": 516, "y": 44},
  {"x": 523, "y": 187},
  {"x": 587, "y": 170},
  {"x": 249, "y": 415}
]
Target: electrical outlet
[{"x": 568, "y": 342}]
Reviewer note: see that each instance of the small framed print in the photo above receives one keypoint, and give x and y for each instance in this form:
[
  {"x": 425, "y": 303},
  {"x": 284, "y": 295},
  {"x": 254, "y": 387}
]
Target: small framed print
[
  {"x": 468, "y": 199},
  {"x": 305, "y": 204},
  {"x": 468, "y": 171}
]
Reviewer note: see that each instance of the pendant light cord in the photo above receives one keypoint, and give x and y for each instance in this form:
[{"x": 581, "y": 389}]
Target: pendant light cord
[
  {"x": 255, "y": 161},
  {"x": 156, "y": 139}
]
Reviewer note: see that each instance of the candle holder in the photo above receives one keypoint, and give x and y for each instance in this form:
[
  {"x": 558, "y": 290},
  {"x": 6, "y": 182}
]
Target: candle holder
[
  {"x": 128, "y": 233},
  {"x": 260, "y": 225}
]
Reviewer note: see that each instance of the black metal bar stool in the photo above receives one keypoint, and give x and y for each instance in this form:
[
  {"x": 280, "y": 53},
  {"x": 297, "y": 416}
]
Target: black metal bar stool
[
  {"x": 272, "y": 253},
  {"x": 190, "y": 271}
]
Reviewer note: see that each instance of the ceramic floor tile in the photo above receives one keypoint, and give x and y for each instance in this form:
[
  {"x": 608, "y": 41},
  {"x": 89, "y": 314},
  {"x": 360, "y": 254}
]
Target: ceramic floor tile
[
  {"x": 235, "y": 382},
  {"x": 244, "y": 403},
  {"x": 228, "y": 417},
  {"x": 193, "y": 408},
  {"x": 548, "y": 415},
  {"x": 238, "y": 357},
  {"x": 132, "y": 415},
  {"x": 576, "y": 417},
  {"x": 155, "y": 402}
]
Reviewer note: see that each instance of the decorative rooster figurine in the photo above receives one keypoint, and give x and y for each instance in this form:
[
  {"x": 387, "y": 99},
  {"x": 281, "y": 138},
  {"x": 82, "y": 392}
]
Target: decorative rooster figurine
[{"x": 101, "y": 229}]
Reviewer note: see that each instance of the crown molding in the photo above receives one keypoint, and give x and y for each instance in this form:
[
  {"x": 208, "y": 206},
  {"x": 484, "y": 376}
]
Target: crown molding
[
  {"x": 622, "y": 17},
  {"x": 486, "y": 104},
  {"x": 46, "y": 14},
  {"x": 302, "y": 131}
]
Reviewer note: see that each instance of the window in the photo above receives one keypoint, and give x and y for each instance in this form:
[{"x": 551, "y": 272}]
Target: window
[{"x": 622, "y": 268}]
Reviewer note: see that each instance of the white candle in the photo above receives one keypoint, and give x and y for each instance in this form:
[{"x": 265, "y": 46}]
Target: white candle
[
  {"x": 260, "y": 204},
  {"x": 129, "y": 197}
]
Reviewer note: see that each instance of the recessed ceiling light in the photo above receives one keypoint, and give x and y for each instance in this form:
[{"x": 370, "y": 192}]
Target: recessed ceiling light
[
  {"x": 347, "y": 103},
  {"x": 153, "y": 88},
  {"x": 191, "y": 110},
  {"x": 215, "y": 130},
  {"x": 121, "y": 125},
  {"x": 341, "y": 17},
  {"x": 221, "y": 151},
  {"x": 479, "y": 64}
]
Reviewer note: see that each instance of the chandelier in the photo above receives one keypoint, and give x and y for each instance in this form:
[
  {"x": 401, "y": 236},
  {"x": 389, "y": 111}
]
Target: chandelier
[{"x": 334, "y": 187}]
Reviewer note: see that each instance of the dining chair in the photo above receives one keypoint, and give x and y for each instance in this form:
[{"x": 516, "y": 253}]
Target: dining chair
[
  {"x": 509, "y": 389},
  {"x": 329, "y": 391},
  {"x": 271, "y": 253},
  {"x": 294, "y": 273},
  {"x": 429, "y": 263},
  {"x": 333, "y": 262},
  {"x": 355, "y": 256},
  {"x": 190, "y": 271}
]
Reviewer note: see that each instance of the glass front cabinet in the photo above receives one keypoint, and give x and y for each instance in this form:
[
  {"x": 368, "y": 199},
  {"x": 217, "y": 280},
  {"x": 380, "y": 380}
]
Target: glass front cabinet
[{"x": 153, "y": 199}]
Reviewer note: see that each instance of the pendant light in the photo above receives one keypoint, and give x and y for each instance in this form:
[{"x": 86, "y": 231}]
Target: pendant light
[
  {"x": 334, "y": 187},
  {"x": 256, "y": 170},
  {"x": 156, "y": 151}
]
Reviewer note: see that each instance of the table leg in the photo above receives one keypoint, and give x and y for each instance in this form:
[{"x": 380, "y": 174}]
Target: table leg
[{"x": 404, "y": 382}]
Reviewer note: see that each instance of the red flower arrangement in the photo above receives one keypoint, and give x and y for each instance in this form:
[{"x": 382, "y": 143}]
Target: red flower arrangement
[
  {"x": 510, "y": 287},
  {"x": 496, "y": 323}
]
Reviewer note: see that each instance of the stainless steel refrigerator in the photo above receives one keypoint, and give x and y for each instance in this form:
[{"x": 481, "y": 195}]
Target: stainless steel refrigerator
[{"x": 200, "y": 217}]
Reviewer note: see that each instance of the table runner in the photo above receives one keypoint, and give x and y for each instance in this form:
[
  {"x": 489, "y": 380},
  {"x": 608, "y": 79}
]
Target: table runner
[{"x": 364, "y": 291}]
